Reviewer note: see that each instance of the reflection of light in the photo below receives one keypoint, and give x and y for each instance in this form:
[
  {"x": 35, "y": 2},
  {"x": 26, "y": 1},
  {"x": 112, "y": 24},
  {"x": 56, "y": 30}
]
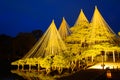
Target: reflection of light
[
  {"x": 107, "y": 65},
  {"x": 32, "y": 75}
]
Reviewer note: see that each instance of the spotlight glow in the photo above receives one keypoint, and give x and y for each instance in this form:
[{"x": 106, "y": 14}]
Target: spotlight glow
[{"x": 109, "y": 65}]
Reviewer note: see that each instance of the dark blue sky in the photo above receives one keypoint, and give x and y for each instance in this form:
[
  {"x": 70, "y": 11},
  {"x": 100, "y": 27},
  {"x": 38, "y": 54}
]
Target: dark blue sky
[{"x": 27, "y": 15}]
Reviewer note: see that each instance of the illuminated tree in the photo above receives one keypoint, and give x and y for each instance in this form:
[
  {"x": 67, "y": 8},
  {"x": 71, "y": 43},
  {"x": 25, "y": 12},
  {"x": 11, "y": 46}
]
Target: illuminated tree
[
  {"x": 82, "y": 41},
  {"x": 64, "y": 29},
  {"x": 49, "y": 44},
  {"x": 76, "y": 42},
  {"x": 60, "y": 62}
]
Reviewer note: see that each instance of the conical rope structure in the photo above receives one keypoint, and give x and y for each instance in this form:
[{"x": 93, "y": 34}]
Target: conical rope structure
[
  {"x": 50, "y": 44},
  {"x": 64, "y": 29},
  {"x": 80, "y": 28},
  {"x": 64, "y": 47},
  {"x": 81, "y": 18},
  {"x": 100, "y": 29},
  {"x": 101, "y": 38},
  {"x": 80, "y": 31}
]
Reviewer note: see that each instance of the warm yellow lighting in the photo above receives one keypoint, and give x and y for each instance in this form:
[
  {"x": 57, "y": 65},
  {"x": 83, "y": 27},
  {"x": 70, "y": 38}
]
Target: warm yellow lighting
[
  {"x": 107, "y": 65},
  {"x": 119, "y": 33},
  {"x": 50, "y": 44},
  {"x": 108, "y": 74},
  {"x": 64, "y": 29},
  {"x": 81, "y": 19},
  {"x": 68, "y": 47}
]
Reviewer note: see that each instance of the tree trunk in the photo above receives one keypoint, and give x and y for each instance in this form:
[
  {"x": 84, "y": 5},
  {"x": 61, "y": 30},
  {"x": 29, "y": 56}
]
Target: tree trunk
[
  {"x": 18, "y": 66},
  {"x": 38, "y": 67},
  {"x": 105, "y": 56},
  {"x": 92, "y": 58},
  {"x": 60, "y": 70},
  {"x": 48, "y": 70},
  {"x": 113, "y": 56},
  {"x": 22, "y": 67},
  {"x": 29, "y": 67}
]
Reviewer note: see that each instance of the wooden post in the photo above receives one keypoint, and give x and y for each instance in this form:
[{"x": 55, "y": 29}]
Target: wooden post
[
  {"x": 105, "y": 56},
  {"x": 103, "y": 53},
  {"x": 92, "y": 58},
  {"x": 18, "y": 67},
  {"x": 22, "y": 67},
  {"x": 38, "y": 67},
  {"x": 118, "y": 55},
  {"x": 29, "y": 67},
  {"x": 113, "y": 56}
]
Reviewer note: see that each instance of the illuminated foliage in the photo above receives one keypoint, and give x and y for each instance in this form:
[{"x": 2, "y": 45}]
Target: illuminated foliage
[
  {"x": 100, "y": 31},
  {"x": 50, "y": 44},
  {"x": 60, "y": 61},
  {"x": 47, "y": 62},
  {"x": 119, "y": 33},
  {"x": 81, "y": 19},
  {"x": 64, "y": 29},
  {"x": 89, "y": 39},
  {"x": 83, "y": 40},
  {"x": 80, "y": 34}
]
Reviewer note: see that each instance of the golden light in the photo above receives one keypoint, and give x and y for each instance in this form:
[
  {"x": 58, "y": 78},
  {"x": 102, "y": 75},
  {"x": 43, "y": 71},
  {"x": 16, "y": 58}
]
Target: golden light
[
  {"x": 109, "y": 65},
  {"x": 119, "y": 33},
  {"x": 67, "y": 46},
  {"x": 108, "y": 74}
]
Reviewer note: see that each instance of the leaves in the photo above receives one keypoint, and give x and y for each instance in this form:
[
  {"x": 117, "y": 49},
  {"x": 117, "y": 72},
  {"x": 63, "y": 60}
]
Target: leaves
[{"x": 46, "y": 62}]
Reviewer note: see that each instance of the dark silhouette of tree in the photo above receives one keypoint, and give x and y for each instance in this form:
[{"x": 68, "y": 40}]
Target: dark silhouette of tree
[
  {"x": 23, "y": 42},
  {"x": 12, "y": 49},
  {"x": 5, "y": 46},
  {"x": 37, "y": 33},
  {"x": 17, "y": 47}
]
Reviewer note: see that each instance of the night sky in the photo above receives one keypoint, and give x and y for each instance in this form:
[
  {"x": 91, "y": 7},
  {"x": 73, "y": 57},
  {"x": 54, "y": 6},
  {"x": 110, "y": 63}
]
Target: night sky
[{"x": 28, "y": 15}]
